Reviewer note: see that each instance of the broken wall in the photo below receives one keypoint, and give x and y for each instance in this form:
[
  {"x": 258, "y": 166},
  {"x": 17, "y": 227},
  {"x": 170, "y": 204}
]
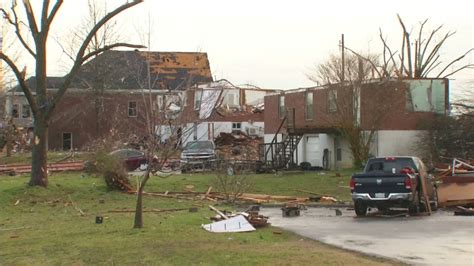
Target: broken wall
[{"x": 426, "y": 95}]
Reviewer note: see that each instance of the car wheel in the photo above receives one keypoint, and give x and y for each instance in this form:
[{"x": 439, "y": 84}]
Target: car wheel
[
  {"x": 414, "y": 206},
  {"x": 360, "y": 209}
]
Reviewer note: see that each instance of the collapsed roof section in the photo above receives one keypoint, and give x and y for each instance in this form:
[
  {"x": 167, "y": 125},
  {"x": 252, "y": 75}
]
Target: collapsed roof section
[
  {"x": 128, "y": 70},
  {"x": 226, "y": 99}
]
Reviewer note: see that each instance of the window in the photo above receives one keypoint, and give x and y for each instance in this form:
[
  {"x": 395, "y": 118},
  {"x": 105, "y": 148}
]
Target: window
[
  {"x": 16, "y": 111},
  {"x": 332, "y": 98},
  {"x": 25, "y": 111},
  {"x": 309, "y": 112},
  {"x": 132, "y": 109},
  {"x": 197, "y": 99},
  {"x": 67, "y": 141},
  {"x": 339, "y": 154},
  {"x": 281, "y": 106},
  {"x": 236, "y": 126},
  {"x": 161, "y": 102}
]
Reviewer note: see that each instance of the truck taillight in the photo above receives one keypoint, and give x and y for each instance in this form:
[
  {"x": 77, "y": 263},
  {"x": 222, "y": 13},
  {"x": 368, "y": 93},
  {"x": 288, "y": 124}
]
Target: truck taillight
[
  {"x": 352, "y": 184},
  {"x": 408, "y": 183}
]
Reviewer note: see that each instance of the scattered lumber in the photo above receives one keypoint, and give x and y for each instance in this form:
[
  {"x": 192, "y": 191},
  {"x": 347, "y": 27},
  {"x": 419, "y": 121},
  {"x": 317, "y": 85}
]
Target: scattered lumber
[
  {"x": 75, "y": 207},
  {"x": 149, "y": 210},
  {"x": 461, "y": 211}
]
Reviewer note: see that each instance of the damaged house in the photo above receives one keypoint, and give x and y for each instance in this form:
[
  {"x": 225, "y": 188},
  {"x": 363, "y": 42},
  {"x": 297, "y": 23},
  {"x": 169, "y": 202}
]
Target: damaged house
[
  {"x": 107, "y": 97},
  {"x": 315, "y": 125},
  {"x": 216, "y": 110}
]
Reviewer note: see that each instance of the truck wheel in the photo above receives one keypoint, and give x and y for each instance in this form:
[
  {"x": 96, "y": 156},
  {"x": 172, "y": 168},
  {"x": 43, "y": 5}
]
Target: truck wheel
[
  {"x": 414, "y": 206},
  {"x": 360, "y": 209}
]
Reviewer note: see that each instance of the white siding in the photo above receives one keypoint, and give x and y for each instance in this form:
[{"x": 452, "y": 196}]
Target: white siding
[{"x": 398, "y": 143}]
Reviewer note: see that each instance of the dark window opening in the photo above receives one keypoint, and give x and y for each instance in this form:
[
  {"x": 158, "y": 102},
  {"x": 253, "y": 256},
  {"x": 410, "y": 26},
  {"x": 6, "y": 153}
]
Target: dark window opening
[
  {"x": 339, "y": 154},
  {"x": 67, "y": 141},
  {"x": 132, "y": 109},
  {"x": 25, "y": 111}
]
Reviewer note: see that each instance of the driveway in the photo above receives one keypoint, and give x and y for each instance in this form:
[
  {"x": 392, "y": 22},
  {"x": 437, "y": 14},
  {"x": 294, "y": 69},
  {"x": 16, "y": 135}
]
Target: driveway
[{"x": 439, "y": 239}]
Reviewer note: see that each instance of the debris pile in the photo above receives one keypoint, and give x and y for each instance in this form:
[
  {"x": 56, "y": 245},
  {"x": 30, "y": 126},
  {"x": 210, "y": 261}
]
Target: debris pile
[
  {"x": 225, "y": 221},
  {"x": 457, "y": 184},
  {"x": 244, "y": 197},
  {"x": 13, "y": 169},
  {"x": 237, "y": 146}
]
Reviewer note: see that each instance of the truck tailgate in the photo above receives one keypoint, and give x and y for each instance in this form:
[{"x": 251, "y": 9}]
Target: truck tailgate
[{"x": 372, "y": 183}]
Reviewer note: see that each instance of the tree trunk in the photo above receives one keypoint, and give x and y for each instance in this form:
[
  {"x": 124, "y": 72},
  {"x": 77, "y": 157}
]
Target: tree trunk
[
  {"x": 39, "y": 170},
  {"x": 139, "y": 210}
]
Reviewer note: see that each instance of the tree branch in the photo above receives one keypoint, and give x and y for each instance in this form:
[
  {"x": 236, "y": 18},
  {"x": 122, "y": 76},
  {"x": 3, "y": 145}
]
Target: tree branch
[
  {"x": 31, "y": 18},
  {"x": 16, "y": 24},
  {"x": 470, "y": 66},
  {"x": 366, "y": 59},
  {"x": 80, "y": 54},
  {"x": 21, "y": 81},
  {"x": 454, "y": 61},
  {"x": 109, "y": 47},
  {"x": 407, "y": 39},
  {"x": 54, "y": 11}
]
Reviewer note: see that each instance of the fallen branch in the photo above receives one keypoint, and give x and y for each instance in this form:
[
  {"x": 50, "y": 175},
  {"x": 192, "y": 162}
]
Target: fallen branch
[{"x": 75, "y": 207}]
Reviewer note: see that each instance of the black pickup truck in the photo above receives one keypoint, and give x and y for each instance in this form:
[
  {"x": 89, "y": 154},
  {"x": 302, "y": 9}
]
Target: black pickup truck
[{"x": 392, "y": 182}]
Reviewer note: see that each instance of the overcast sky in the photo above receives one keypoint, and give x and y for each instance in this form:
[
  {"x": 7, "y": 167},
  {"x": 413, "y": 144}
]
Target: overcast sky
[{"x": 272, "y": 44}]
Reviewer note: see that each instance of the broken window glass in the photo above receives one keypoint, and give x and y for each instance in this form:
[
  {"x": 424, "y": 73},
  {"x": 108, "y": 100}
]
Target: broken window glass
[
  {"x": 426, "y": 96},
  {"x": 197, "y": 99}
]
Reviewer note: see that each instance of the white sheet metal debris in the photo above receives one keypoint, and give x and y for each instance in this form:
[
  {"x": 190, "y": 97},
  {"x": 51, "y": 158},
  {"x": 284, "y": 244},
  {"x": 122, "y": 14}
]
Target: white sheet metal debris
[{"x": 234, "y": 224}]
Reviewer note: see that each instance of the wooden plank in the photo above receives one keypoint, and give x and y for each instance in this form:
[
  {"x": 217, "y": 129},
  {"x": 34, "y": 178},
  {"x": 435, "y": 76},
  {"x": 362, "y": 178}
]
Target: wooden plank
[{"x": 218, "y": 212}]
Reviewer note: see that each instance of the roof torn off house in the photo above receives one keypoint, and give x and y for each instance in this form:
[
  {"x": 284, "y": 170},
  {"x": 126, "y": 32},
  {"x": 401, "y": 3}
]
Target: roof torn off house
[{"x": 222, "y": 109}]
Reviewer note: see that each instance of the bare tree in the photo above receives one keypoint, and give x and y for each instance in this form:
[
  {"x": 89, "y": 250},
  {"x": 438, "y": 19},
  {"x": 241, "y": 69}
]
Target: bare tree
[
  {"x": 42, "y": 104},
  {"x": 420, "y": 56},
  {"x": 346, "y": 104}
]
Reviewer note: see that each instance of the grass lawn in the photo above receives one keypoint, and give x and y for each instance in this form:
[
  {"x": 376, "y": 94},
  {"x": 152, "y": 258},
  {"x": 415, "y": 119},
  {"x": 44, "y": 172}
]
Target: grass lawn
[{"x": 50, "y": 230}]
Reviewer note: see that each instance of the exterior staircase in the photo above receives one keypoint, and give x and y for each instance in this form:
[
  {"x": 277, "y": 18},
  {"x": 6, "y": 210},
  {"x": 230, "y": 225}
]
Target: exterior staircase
[{"x": 278, "y": 155}]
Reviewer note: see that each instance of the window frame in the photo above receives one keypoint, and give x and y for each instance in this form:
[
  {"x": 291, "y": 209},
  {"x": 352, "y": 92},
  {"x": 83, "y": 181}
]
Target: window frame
[
  {"x": 332, "y": 101},
  {"x": 130, "y": 108},
  {"x": 281, "y": 106},
  {"x": 308, "y": 115},
  {"x": 197, "y": 102}
]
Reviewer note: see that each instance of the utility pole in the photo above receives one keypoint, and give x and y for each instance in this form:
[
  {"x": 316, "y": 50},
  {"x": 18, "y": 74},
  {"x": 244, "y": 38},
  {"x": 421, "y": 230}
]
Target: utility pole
[{"x": 342, "y": 57}]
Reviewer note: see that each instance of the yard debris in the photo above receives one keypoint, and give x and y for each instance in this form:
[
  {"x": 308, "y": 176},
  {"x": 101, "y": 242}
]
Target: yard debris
[
  {"x": 244, "y": 197},
  {"x": 251, "y": 215},
  {"x": 234, "y": 224},
  {"x": 75, "y": 207},
  {"x": 457, "y": 183},
  {"x": 151, "y": 210},
  {"x": 292, "y": 210},
  {"x": 117, "y": 181},
  {"x": 237, "y": 146},
  {"x": 461, "y": 211},
  {"x": 52, "y": 167}
]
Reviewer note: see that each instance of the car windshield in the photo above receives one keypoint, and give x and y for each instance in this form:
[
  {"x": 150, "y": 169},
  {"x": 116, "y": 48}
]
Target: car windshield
[
  {"x": 390, "y": 165},
  {"x": 199, "y": 145}
]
